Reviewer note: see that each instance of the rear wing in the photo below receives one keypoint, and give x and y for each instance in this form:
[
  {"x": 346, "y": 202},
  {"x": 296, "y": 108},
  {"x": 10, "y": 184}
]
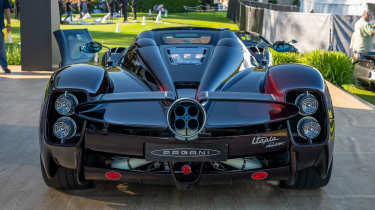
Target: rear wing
[{"x": 224, "y": 109}]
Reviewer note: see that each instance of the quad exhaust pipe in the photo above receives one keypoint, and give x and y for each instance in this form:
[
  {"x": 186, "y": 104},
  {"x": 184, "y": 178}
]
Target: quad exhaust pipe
[
  {"x": 181, "y": 124},
  {"x": 186, "y": 118}
]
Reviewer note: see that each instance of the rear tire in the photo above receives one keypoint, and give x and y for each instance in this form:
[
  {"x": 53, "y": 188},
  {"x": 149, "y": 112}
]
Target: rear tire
[
  {"x": 308, "y": 178},
  {"x": 64, "y": 179}
]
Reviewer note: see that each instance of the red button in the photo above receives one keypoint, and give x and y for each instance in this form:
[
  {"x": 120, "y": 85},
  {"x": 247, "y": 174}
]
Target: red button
[{"x": 186, "y": 169}]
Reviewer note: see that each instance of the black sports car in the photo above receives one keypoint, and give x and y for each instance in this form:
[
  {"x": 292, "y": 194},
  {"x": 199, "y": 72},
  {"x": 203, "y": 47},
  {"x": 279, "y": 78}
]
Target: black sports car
[{"x": 184, "y": 106}]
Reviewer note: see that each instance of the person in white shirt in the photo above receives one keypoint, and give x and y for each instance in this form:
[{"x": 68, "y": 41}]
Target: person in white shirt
[{"x": 362, "y": 37}]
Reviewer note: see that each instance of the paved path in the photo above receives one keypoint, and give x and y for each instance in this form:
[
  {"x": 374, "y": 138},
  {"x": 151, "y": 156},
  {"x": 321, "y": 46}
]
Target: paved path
[{"x": 352, "y": 185}]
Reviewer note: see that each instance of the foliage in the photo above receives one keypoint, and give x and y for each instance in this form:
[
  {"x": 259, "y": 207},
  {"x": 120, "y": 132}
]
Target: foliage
[
  {"x": 297, "y": 2},
  {"x": 335, "y": 67},
  {"x": 284, "y": 58},
  {"x": 13, "y": 54},
  {"x": 170, "y": 5},
  {"x": 92, "y": 4}
]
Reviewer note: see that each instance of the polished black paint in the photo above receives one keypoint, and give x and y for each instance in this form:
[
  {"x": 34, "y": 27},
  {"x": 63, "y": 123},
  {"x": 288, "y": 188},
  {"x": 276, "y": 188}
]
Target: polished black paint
[
  {"x": 83, "y": 77},
  {"x": 238, "y": 97}
]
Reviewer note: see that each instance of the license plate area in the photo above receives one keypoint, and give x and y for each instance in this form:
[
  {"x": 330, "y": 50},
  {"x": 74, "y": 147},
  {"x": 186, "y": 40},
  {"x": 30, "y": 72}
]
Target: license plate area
[{"x": 202, "y": 152}]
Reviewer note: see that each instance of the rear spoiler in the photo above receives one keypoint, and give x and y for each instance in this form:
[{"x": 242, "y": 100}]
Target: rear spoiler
[{"x": 224, "y": 109}]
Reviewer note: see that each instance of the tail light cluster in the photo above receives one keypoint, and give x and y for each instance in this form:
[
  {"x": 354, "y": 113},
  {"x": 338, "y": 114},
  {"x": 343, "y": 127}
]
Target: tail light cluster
[
  {"x": 63, "y": 125},
  {"x": 308, "y": 126}
]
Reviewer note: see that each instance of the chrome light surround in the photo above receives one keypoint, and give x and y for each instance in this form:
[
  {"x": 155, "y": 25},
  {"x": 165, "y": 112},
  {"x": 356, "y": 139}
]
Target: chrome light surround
[
  {"x": 65, "y": 128},
  {"x": 66, "y": 103},
  {"x": 308, "y": 128},
  {"x": 186, "y": 119},
  {"x": 307, "y": 104}
]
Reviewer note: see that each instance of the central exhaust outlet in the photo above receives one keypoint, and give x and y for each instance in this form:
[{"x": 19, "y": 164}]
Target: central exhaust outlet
[{"x": 186, "y": 118}]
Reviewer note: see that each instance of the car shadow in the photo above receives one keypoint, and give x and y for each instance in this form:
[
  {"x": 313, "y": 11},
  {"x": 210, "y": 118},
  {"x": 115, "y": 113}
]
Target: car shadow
[{"x": 240, "y": 195}]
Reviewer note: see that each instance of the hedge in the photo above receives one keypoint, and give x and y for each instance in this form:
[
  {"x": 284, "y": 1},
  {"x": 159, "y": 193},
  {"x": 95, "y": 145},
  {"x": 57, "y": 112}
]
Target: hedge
[
  {"x": 284, "y": 58},
  {"x": 335, "y": 67}
]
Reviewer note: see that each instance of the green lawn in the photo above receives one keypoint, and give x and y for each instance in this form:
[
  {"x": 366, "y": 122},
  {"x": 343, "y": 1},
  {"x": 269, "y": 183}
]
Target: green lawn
[
  {"x": 362, "y": 93},
  {"x": 105, "y": 33}
]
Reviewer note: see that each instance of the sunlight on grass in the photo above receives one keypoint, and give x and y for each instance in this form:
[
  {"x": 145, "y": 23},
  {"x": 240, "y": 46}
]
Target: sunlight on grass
[
  {"x": 106, "y": 33},
  {"x": 364, "y": 94}
]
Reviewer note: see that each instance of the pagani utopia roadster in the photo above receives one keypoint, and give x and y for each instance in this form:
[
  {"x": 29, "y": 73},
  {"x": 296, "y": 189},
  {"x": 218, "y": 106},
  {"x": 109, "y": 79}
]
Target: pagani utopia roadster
[{"x": 184, "y": 106}]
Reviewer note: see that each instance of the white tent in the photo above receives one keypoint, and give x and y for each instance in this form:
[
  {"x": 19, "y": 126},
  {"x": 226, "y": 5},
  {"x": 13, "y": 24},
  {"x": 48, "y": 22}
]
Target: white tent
[{"x": 342, "y": 7}]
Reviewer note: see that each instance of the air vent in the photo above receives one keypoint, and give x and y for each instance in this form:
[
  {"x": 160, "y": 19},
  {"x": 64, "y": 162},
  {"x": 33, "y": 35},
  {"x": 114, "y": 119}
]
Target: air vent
[{"x": 182, "y": 55}]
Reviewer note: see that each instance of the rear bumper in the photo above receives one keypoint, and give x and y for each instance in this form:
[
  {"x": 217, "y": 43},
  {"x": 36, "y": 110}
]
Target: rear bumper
[
  {"x": 238, "y": 146},
  {"x": 133, "y": 146}
]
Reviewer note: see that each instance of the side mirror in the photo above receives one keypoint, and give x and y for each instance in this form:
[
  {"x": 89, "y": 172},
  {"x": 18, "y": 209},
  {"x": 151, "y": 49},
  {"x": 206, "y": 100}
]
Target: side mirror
[
  {"x": 293, "y": 41},
  {"x": 91, "y": 47}
]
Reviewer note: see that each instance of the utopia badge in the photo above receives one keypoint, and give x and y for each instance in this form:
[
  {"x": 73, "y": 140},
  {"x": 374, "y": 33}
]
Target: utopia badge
[{"x": 264, "y": 139}]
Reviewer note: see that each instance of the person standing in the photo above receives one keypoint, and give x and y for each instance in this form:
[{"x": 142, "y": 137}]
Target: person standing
[
  {"x": 124, "y": 9},
  {"x": 113, "y": 6},
  {"x": 361, "y": 41},
  {"x": 134, "y": 9},
  {"x": 17, "y": 9},
  {"x": 83, "y": 8},
  {"x": 61, "y": 9},
  {"x": 4, "y": 8},
  {"x": 69, "y": 11}
]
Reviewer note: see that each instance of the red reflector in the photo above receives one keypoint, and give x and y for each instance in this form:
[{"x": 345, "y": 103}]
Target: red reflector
[
  {"x": 113, "y": 175},
  {"x": 259, "y": 175},
  {"x": 186, "y": 169}
]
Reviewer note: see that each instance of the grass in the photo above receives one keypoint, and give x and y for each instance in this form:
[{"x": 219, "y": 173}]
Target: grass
[
  {"x": 13, "y": 52},
  {"x": 367, "y": 95},
  {"x": 105, "y": 33}
]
